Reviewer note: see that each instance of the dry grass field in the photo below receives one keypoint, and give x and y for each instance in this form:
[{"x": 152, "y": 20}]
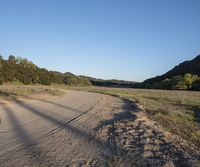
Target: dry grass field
[
  {"x": 176, "y": 111},
  {"x": 7, "y": 92}
]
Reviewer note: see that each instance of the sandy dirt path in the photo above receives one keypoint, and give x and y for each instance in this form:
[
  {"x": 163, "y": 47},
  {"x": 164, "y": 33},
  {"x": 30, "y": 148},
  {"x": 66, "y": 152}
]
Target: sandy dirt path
[{"x": 86, "y": 129}]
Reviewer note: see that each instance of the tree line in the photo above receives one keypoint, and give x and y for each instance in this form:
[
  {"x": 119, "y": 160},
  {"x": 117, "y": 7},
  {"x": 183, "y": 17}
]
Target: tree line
[
  {"x": 110, "y": 83},
  {"x": 17, "y": 69},
  {"x": 22, "y": 70}
]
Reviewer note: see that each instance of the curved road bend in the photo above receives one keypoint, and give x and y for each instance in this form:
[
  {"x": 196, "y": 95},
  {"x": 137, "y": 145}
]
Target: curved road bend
[{"x": 60, "y": 132}]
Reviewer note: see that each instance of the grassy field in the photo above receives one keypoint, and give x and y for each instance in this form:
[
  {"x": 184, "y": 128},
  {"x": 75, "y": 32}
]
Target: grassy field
[
  {"x": 19, "y": 90},
  {"x": 176, "y": 111}
]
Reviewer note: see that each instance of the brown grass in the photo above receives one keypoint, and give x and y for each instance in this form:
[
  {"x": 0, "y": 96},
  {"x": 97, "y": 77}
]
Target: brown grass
[
  {"x": 7, "y": 90},
  {"x": 176, "y": 111}
]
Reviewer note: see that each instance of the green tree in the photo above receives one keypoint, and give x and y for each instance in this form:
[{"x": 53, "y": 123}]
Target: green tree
[
  {"x": 12, "y": 58},
  {"x": 26, "y": 71},
  {"x": 9, "y": 69},
  {"x": 44, "y": 77},
  {"x": 183, "y": 82}
]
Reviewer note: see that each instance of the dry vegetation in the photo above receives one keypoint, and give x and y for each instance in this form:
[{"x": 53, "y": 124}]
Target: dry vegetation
[
  {"x": 176, "y": 111},
  {"x": 7, "y": 92}
]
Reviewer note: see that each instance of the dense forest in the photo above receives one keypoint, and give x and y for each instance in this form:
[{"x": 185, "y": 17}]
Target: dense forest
[
  {"x": 185, "y": 76},
  {"x": 21, "y": 70}
]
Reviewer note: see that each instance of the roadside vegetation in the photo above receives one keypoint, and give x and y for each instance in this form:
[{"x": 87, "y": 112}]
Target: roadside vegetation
[
  {"x": 13, "y": 90},
  {"x": 176, "y": 111}
]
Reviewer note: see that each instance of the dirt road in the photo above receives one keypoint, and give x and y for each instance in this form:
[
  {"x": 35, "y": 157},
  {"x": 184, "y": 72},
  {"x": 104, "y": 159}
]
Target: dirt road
[{"x": 86, "y": 129}]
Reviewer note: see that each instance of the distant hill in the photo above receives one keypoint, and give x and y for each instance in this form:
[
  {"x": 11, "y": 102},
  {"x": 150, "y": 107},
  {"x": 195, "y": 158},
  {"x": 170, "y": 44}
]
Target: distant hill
[
  {"x": 110, "y": 83},
  {"x": 185, "y": 76},
  {"x": 192, "y": 67},
  {"x": 188, "y": 70}
]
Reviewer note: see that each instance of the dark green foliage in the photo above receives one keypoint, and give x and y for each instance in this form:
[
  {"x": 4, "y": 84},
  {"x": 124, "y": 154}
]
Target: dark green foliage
[
  {"x": 71, "y": 81},
  {"x": 24, "y": 71},
  {"x": 11, "y": 58},
  {"x": 77, "y": 81},
  {"x": 110, "y": 83},
  {"x": 56, "y": 77},
  {"x": 8, "y": 70},
  {"x": 196, "y": 86},
  {"x": 44, "y": 78}
]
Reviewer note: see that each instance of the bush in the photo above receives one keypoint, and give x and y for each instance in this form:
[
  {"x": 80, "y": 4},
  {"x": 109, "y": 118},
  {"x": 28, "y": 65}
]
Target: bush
[
  {"x": 44, "y": 78},
  {"x": 71, "y": 81},
  {"x": 186, "y": 82},
  {"x": 84, "y": 81}
]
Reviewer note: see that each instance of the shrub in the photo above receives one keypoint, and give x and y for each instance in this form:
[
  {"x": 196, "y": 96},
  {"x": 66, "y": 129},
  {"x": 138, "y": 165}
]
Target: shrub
[
  {"x": 71, "y": 81},
  {"x": 84, "y": 81},
  {"x": 186, "y": 82},
  {"x": 44, "y": 78}
]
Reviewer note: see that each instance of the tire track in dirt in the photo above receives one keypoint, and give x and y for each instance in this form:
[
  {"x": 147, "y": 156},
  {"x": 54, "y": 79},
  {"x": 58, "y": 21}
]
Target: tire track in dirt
[{"x": 87, "y": 129}]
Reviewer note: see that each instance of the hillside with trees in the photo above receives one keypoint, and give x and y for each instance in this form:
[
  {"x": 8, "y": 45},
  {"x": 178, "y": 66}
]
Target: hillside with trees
[
  {"x": 110, "y": 83},
  {"x": 24, "y": 71},
  {"x": 185, "y": 76}
]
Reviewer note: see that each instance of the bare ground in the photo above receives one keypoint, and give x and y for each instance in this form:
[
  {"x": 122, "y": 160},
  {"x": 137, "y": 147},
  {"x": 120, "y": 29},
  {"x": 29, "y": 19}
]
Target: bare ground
[{"x": 86, "y": 129}]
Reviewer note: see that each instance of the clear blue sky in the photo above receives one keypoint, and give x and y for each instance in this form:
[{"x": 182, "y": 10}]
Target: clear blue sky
[{"x": 123, "y": 39}]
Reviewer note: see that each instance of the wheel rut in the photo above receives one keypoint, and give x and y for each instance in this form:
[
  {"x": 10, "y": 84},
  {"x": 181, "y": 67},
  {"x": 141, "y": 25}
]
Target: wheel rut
[{"x": 87, "y": 129}]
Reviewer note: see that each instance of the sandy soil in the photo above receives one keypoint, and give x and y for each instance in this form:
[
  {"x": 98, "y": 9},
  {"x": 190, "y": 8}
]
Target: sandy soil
[{"x": 86, "y": 129}]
